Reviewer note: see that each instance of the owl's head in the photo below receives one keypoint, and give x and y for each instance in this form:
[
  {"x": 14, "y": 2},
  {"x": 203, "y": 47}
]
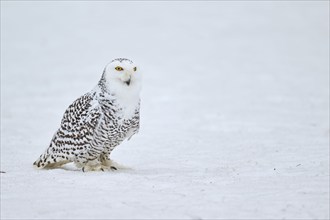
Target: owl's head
[{"x": 122, "y": 73}]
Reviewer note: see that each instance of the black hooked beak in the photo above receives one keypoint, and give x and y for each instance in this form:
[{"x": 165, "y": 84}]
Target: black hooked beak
[{"x": 128, "y": 82}]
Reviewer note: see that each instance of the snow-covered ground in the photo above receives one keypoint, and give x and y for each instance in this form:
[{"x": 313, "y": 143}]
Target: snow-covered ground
[{"x": 235, "y": 108}]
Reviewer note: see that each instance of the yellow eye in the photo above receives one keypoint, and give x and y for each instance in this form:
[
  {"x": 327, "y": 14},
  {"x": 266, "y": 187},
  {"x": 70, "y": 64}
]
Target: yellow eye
[
  {"x": 119, "y": 68},
  {"x": 134, "y": 68}
]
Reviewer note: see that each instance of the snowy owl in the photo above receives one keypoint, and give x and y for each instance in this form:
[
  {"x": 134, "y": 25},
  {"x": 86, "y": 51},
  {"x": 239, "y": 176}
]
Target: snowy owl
[{"x": 97, "y": 122}]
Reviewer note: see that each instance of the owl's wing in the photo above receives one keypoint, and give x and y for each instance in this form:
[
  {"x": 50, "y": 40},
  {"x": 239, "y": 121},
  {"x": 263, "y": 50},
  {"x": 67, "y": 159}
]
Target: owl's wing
[
  {"x": 136, "y": 123},
  {"x": 82, "y": 114},
  {"x": 79, "y": 123}
]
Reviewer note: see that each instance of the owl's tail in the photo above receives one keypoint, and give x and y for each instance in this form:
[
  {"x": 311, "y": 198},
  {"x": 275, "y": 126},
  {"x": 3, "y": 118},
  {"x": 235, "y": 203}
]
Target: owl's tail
[
  {"x": 47, "y": 160},
  {"x": 41, "y": 162}
]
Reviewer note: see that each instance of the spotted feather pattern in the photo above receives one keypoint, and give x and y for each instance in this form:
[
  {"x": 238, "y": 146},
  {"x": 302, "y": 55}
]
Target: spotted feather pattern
[{"x": 90, "y": 129}]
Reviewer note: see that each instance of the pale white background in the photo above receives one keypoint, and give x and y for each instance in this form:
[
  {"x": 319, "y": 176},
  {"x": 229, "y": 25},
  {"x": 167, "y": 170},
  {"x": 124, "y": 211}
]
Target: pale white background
[{"x": 235, "y": 108}]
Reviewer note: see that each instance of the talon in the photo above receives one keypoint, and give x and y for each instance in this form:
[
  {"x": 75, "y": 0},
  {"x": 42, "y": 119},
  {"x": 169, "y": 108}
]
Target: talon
[
  {"x": 83, "y": 169},
  {"x": 113, "y": 168},
  {"x": 102, "y": 169}
]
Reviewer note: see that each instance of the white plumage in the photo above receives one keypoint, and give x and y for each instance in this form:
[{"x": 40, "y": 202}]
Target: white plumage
[{"x": 97, "y": 122}]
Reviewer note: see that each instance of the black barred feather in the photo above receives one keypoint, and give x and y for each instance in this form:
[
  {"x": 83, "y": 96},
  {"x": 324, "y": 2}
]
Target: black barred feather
[{"x": 90, "y": 130}]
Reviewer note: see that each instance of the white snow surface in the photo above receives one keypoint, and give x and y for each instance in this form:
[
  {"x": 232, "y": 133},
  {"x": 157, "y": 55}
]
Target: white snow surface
[{"x": 234, "y": 112}]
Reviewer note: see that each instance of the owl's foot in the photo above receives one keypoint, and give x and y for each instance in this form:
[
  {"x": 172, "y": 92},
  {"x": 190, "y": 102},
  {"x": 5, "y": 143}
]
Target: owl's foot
[
  {"x": 93, "y": 165},
  {"x": 112, "y": 165},
  {"x": 94, "y": 168},
  {"x": 108, "y": 163}
]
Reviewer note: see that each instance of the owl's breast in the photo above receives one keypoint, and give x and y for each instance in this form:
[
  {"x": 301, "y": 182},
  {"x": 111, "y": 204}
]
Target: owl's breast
[
  {"x": 119, "y": 118},
  {"x": 117, "y": 128}
]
